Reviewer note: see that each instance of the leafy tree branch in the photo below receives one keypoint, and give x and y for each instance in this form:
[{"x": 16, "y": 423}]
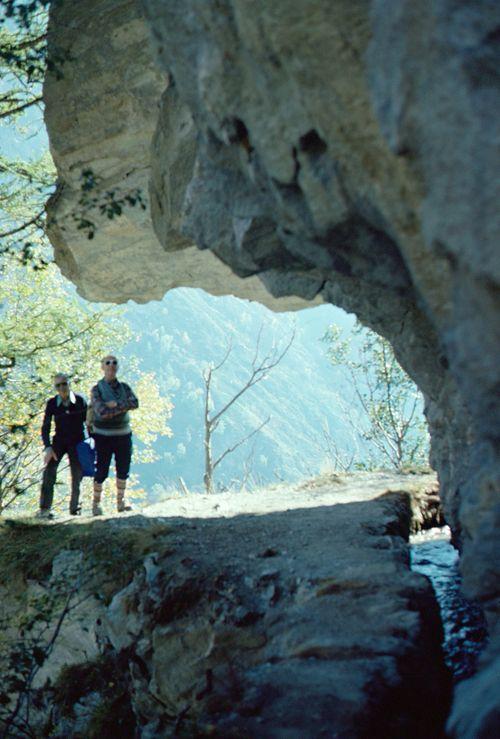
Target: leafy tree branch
[{"x": 384, "y": 405}]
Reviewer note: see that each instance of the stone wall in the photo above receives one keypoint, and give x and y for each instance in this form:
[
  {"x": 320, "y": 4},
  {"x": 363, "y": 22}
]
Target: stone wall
[{"x": 332, "y": 151}]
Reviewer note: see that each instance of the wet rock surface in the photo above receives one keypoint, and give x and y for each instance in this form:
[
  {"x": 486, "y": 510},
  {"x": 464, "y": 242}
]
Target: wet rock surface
[{"x": 465, "y": 632}]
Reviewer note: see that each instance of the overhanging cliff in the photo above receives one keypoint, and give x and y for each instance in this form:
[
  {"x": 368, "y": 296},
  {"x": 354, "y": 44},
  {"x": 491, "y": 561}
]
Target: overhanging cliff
[{"x": 341, "y": 151}]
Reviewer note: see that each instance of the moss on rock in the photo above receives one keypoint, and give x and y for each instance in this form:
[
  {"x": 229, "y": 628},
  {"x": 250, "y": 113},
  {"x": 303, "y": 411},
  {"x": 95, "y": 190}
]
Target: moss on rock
[
  {"x": 113, "y": 714},
  {"x": 114, "y": 548}
]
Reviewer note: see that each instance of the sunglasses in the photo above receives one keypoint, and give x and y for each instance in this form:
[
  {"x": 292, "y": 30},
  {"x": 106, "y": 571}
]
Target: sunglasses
[
  {"x": 111, "y": 361},
  {"x": 61, "y": 384}
]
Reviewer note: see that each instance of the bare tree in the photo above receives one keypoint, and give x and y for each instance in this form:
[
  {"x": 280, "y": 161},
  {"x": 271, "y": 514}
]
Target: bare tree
[
  {"x": 258, "y": 371},
  {"x": 339, "y": 459}
]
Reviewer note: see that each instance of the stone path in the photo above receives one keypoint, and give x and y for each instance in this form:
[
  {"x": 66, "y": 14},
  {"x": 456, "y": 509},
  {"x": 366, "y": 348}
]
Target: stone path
[{"x": 287, "y": 614}]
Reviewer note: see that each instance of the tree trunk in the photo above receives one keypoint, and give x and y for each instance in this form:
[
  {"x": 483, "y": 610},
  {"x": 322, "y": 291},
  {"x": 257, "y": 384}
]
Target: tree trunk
[{"x": 208, "y": 476}]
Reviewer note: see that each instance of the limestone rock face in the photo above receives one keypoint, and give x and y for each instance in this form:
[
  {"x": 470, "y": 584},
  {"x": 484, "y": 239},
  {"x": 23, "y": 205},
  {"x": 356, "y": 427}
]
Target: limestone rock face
[
  {"x": 338, "y": 151},
  {"x": 290, "y": 612},
  {"x": 330, "y": 158},
  {"x": 263, "y": 638},
  {"x": 102, "y": 104},
  {"x": 114, "y": 133}
]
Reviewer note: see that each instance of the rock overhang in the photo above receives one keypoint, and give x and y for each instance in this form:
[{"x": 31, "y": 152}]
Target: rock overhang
[
  {"x": 338, "y": 152},
  {"x": 101, "y": 109}
]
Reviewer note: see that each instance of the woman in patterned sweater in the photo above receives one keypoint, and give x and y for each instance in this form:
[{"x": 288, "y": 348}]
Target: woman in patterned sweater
[{"x": 111, "y": 402}]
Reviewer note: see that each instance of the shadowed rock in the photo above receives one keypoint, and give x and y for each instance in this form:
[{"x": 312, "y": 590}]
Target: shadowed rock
[
  {"x": 344, "y": 152},
  {"x": 297, "y": 618}
]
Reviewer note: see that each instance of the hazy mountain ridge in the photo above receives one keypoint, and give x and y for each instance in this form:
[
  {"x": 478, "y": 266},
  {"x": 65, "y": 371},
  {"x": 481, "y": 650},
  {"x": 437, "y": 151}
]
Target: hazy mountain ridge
[{"x": 299, "y": 395}]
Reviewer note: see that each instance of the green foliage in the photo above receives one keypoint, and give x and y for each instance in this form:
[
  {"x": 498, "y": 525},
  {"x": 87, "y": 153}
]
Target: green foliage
[
  {"x": 23, "y": 12},
  {"x": 23, "y": 51},
  {"x": 43, "y": 330},
  {"x": 27, "y": 550},
  {"x": 106, "y": 557},
  {"x": 384, "y": 407},
  {"x": 149, "y": 421},
  {"x": 24, "y": 188},
  {"x": 110, "y": 203}
]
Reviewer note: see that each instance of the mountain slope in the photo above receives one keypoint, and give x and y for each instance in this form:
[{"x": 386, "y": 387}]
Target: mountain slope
[{"x": 189, "y": 329}]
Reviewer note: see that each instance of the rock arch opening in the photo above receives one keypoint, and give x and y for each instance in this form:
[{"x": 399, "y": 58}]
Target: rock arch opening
[{"x": 368, "y": 184}]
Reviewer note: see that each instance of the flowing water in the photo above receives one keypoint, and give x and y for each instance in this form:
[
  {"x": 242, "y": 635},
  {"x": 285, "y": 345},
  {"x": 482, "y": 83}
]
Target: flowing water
[{"x": 464, "y": 627}]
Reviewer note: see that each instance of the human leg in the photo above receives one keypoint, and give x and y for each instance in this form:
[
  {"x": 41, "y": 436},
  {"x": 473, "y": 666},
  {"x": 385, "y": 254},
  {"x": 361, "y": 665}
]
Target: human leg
[
  {"x": 104, "y": 451},
  {"x": 48, "y": 482},
  {"x": 121, "y": 504},
  {"x": 76, "y": 478},
  {"x": 123, "y": 457},
  {"x": 96, "y": 499}
]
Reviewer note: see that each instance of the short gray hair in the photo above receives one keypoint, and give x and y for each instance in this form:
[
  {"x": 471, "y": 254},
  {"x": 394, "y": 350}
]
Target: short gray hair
[{"x": 60, "y": 374}]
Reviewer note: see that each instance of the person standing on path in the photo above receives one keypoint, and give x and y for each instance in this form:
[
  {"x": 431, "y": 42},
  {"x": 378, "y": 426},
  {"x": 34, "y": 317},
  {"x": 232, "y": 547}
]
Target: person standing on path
[
  {"x": 111, "y": 402},
  {"x": 68, "y": 409}
]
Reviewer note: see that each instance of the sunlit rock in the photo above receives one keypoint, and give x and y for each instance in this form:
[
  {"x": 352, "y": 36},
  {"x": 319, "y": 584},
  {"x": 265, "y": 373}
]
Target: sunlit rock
[
  {"x": 102, "y": 105},
  {"x": 344, "y": 152}
]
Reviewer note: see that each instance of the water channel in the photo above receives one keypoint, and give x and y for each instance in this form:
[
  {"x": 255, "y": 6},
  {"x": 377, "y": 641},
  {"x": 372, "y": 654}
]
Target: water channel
[{"x": 465, "y": 632}]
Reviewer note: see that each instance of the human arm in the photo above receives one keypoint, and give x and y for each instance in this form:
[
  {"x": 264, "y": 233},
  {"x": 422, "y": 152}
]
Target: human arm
[
  {"x": 111, "y": 408},
  {"x": 47, "y": 420},
  {"x": 100, "y": 407},
  {"x": 49, "y": 454},
  {"x": 89, "y": 419},
  {"x": 132, "y": 402},
  {"x": 84, "y": 411},
  {"x": 46, "y": 424}
]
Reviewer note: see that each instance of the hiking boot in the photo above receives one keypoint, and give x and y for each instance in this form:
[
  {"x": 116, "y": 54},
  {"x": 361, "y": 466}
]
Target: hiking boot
[
  {"x": 122, "y": 506},
  {"x": 97, "y": 510},
  {"x": 45, "y": 513}
]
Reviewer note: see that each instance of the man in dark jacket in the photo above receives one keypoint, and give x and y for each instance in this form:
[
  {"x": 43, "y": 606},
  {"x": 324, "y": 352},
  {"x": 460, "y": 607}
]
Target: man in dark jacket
[{"x": 68, "y": 410}]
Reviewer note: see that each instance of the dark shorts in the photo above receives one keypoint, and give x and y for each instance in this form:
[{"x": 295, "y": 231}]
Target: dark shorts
[{"x": 106, "y": 447}]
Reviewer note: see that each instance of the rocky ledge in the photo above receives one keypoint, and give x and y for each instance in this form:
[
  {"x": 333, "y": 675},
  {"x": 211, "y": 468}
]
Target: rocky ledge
[
  {"x": 287, "y": 151},
  {"x": 292, "y": 613}
]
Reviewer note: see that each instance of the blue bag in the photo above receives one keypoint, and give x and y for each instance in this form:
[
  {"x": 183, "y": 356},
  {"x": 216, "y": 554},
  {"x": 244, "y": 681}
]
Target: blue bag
[{"x": 86, "y": 456}]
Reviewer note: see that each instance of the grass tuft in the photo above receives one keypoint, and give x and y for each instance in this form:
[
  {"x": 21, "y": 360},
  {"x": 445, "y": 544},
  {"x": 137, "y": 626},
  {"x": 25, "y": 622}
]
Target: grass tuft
[{"x": 114, "y": 548}]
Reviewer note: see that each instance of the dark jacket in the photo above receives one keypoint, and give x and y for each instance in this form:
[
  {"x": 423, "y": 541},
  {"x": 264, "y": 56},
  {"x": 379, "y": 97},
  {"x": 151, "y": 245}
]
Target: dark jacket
[{"x": 69, "y": 420}]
